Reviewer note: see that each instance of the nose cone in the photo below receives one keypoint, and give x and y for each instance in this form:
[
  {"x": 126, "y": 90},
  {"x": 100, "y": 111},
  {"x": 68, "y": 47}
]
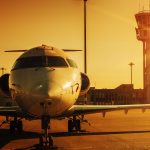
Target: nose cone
[
  {"x": 46, "y": 97},
  {"x": 47, "y": 90}
]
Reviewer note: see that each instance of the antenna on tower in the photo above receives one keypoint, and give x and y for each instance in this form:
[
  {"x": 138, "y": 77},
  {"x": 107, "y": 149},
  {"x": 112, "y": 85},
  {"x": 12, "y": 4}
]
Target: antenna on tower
[
  {"x": 143, "y": 8},
  {"x": 139, "y": 5}
]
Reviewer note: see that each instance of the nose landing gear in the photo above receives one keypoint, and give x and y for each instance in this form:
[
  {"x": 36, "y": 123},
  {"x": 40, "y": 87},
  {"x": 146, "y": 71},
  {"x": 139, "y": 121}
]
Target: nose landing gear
[
  {"x": 16, "y": 124},
  {"x": 45, "y": 140}
]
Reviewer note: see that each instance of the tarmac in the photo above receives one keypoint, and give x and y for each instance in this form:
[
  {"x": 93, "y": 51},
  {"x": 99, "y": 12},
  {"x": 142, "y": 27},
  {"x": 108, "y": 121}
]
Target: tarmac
[{"x": 116, "y": 131}]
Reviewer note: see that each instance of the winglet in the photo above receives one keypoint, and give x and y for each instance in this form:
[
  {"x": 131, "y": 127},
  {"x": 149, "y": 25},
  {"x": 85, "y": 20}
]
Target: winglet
[
  {"x": 126, "y": 111},
  {"x": 143, "y": 110},
  {"x": 104, "y": 114}
]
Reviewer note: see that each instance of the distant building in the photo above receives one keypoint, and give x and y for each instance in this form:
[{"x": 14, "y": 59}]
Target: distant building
[
  {"x": 123, "y": 94},
  {"x": 6, "y": 100}
]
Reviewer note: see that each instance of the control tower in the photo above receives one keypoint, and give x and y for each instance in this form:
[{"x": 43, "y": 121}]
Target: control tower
[{"x": 143, "y": 34}]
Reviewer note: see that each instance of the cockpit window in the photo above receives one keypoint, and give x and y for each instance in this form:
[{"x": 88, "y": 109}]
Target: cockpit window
[
  {"x": 72, "y": 63},
  {"x": 56, "y": 62},
  {"x": 40, "y": 61},
  {"x": 30, "y": 62}
]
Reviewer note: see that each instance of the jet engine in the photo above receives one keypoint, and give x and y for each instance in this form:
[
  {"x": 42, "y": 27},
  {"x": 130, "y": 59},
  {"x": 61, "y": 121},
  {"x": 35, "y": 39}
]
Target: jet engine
[
  {"x": 85, "y": 84},
  {"x": 4, "y": 85}
]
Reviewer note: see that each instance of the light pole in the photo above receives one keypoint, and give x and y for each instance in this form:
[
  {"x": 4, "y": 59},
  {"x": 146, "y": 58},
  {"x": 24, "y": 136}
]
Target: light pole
[
  {"x": 85, "y": 54},
  {"x": 3, "y": 69},
  {"x": 131, "y": 65}
]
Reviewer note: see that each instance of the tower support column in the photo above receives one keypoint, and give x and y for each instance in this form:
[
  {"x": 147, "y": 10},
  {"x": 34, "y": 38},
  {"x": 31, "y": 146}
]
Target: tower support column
[
  {"x": 143, "y": 34},
  {"x": 147, "y": 71}
]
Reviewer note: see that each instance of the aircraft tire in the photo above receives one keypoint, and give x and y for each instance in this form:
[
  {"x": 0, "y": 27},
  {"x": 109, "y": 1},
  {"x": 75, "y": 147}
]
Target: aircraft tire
[
  {"x": 78, "y": 125},
  {"x": 50, "y": 141},
  {"x": 41, "y": 141},
  {"x": 12, "y": 126},
  {"x": 70, "y": 125},
  {"x": 19, "y": 126}
]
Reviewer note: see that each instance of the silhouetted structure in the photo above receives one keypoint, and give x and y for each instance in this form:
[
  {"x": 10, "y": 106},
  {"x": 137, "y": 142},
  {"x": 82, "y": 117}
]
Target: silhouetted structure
[
  {"x": 122, "y": 95},
  {"x": 143, "y": 34}
]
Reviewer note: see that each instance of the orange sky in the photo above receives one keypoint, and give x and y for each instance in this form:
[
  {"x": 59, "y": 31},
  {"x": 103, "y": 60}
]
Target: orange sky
[{"x": 111, "y": 39}]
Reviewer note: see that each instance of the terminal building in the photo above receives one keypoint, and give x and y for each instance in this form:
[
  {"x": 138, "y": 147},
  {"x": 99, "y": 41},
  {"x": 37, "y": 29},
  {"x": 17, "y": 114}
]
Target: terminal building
[
  {"x": 122, "y": 95},
  {"x": 6, "y": 100}
]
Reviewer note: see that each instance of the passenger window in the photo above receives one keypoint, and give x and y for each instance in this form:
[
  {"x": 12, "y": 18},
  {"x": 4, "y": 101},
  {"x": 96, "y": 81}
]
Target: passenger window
[{"x": 72, "y": 63}]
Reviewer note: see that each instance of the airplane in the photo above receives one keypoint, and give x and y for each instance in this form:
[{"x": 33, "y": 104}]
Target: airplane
[{"x": 46, "y": 83}]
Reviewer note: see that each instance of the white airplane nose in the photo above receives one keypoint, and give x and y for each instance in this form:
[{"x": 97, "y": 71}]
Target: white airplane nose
[
  {"x": 45, "y": 98},
  {"x": 47, "y": 90}
]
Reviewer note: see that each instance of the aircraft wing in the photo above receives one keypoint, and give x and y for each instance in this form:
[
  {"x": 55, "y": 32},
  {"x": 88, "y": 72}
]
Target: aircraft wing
[
  {"x": 77, "y": 109},
  {"x": 10, "y": 111},
  {"x": 89, "y": 109}
]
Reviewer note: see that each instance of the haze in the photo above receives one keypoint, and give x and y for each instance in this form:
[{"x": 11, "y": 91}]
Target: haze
[{"x": 111, "y": 38}]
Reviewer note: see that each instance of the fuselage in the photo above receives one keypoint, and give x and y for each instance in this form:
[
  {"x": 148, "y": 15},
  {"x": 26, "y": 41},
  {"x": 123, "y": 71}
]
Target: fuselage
[{"x": 44, "y": 81}]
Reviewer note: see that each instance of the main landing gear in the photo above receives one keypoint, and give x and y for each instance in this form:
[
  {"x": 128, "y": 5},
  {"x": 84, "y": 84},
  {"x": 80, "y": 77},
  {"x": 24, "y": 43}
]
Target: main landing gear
[
  {"x": 16, "y": 124},
  {"x": 45, "y": 140},
  {"x": 74, "y": 124},
  {"x": 5, "y": 121}
]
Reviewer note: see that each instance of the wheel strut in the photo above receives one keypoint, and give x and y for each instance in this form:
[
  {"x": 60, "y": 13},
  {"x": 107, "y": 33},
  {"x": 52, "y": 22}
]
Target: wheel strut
[
  {"x": 74, "y": 124},
  {"x": 45, "y": 139},
  {"x": 16, "y": 124}
]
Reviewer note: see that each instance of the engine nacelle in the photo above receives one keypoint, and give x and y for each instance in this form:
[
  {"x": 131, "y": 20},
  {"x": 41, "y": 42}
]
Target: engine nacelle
[
  {"x": 85, "y": 84},
  {"x": 4, "y": 84}
]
